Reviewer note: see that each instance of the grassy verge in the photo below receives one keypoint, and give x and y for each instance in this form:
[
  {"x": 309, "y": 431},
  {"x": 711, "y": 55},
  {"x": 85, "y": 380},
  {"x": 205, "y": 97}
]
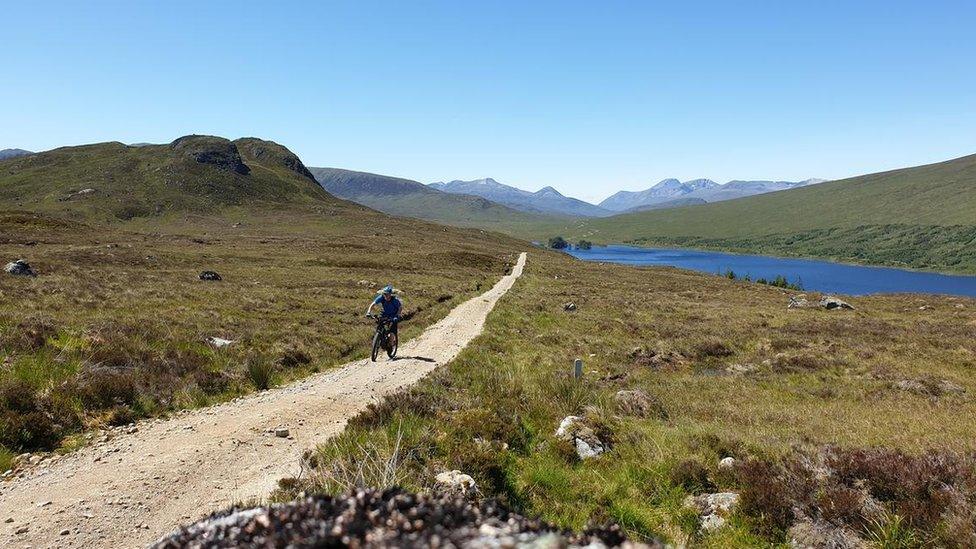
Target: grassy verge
[
  {"x": 115, "y": 328},
  {"x": 846, "y": 418}
]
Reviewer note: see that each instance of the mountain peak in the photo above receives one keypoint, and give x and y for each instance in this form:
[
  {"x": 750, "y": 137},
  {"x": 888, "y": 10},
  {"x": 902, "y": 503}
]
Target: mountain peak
[
  {"x": 13, "y": 153},
  {"x": 548, "y": 191}
]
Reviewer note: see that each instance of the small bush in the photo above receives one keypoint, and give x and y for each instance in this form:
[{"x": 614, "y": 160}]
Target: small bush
[
  {"x": 260, "y": 372},
  {"x": 712, "y": 348},
  {"x": 293, "y": 357},
  {"x": 32, "y": 421},
  {"x": 692, "y": 476}
]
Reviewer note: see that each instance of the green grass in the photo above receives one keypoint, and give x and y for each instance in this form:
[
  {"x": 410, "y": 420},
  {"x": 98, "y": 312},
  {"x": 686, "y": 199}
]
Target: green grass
[
  {"x": 922, "y": 217},
  {"x": 817, "y": 378}
]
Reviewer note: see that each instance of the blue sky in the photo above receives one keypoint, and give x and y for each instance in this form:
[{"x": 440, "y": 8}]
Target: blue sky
[{"x": 589, "y": 97}]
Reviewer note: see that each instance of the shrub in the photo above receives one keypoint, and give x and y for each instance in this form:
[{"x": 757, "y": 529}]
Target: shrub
[
  {"x": 31, "y": 421},
  {"x": 692, "y": 476},
  {"x": 558, "y": 243},
  {"x": 260, "y": 371}
]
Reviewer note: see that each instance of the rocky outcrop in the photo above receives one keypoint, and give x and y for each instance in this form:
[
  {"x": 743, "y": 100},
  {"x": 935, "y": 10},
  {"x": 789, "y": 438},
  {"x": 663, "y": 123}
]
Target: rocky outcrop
[
  {"x": 573, "y": 429},
  {"x": 269, "y": 152},
  {"x": 215, "y": 151},
  {"x": 830, "y": 302},
  {"x": 455, "y": 483},
  {"x": 391, "y": 518},
  {"x": 210, "y": 276},
  {"x": 809, "y": 534},
  {"x": 713, "y": 509}
]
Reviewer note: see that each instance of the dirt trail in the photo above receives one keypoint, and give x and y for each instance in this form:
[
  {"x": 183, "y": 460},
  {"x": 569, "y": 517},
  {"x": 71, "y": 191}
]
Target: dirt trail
[{"x": 131, "y": 490}]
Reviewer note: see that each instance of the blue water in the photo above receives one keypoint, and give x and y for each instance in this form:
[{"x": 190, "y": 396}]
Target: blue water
[{"x": 821, "y": 276}]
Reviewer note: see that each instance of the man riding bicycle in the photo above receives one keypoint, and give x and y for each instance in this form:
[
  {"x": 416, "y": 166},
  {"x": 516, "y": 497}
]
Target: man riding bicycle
[{"x": 391, "y": 307}]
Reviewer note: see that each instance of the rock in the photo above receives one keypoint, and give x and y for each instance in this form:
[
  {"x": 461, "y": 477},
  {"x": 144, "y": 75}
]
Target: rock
[
  {"x": 388, "y": 518},
  {"x": 210, "y": 276},
  {"x": 726, "y": 463},
  {"x": 637, "y": 403},
  {"x": 65, "y": 532},
  {"x": 830, "y": 302},
  {"x": 365, "y": 283},
  {"x": 574, "y": 430},
  {"x": 219, "y": 342},
  {"x": 807, "y": 534},
  {"x": 456, "y": 483},
  {"x": 798, "y": 302},
  {"x": 21, "y": 530},
  {"x": 741, "y": 369},
  {"x": 569, "y": 306},
  {"x": 713, "y": 509},
  {"x": 929, "y": 387},
  {"x": 282, "y": 432},
  {"x": 9, "y": 520},
  {"x": 20, "y": 268},
  {"x": 79, "y": 194}
]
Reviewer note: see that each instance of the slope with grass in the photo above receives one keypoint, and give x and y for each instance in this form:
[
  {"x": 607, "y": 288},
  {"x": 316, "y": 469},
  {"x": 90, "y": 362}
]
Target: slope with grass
[
  {"x": 921, "y": 217},
  {"x": 403, "y": 197},
  {"x": 838, "y": 421}
]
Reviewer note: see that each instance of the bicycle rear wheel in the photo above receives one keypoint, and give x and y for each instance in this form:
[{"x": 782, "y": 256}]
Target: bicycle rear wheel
[{"x": 391, "y": 350}]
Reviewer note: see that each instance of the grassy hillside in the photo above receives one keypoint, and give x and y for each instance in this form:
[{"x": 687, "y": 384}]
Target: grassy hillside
[
  {"x": 115, "y": 326},
  {"x": 840, "y": 420},
  {"x": 194, "y": 174},
  {"x": 923, "y": 217},
  {"x": 403, "y": 197}
]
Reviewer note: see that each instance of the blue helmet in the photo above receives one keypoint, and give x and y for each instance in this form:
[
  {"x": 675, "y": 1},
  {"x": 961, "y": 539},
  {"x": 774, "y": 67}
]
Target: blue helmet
[{"x": 388, "y": 290}]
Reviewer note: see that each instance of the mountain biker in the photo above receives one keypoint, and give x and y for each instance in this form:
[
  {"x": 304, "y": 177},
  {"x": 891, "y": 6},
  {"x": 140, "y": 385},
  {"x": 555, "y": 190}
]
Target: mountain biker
[{"x": 391, "y": 307}]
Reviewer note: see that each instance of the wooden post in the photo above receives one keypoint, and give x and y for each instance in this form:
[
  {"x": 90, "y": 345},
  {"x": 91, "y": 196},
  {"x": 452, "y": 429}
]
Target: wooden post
[{"x": 578, "y": 369}]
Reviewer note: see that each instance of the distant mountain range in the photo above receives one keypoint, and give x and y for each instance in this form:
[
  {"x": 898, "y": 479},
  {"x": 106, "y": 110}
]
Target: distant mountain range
[
  {"x": 668, "y": 191},
  {"x": 545, "y": 201},
  {"x": 13, "y": 153},
  {"x": 404, "y": 197}
]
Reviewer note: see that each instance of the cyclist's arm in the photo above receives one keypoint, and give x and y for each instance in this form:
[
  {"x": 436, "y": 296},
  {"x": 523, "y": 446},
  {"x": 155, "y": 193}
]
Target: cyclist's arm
[{"x": 370, "y": 308}]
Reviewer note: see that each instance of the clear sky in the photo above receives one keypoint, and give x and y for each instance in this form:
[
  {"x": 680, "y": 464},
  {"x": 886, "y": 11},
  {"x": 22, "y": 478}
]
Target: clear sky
[{"x": 589, "y": 97}]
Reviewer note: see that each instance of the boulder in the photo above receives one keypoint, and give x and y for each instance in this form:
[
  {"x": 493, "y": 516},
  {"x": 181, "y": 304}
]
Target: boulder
[
  {"x": 282, "y": 432},
  {"x": 713, "y": 509},
  {"x": 569, "y": 306},
  {"x": 20, "y": 268},
  {"x": 455, "y": 483},
  {"x": 219, "y": 342},
  {"x": 799, "y": 302},
  {"x": 830, "y": 303},
  {"x": 210, "y": 276},
  {"x": 726, "y": 463},
  {"x": 637, "y": 403},
  {"x": 584, "y": 440}
]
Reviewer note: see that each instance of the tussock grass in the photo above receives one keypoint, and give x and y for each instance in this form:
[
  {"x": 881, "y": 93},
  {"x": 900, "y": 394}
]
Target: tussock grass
[{"x": 738, "y": 374}]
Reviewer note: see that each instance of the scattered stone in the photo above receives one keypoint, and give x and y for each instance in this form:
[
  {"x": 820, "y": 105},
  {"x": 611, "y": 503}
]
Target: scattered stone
[
  {"x": 741, "y": 369},
  {"x": 574, "y": 430},
  {"x": 456, "y": 483},
  {"x": 20, "y": 268},
  {"x": 799, "y": 302},
  {"x": 569, "y": 306},
  {"x": 219, "y": 342},
  {"x": 211, "y": 276},
  {"x": 281, "y": 432},
  {"x": 9, "y": 520},
  {"x": 713, "y": 509},
  {"x": 390, "y": 518},
  {"x": 79, "y": 194},
  {"x": 65, "y": 532},
  {"x": 21, "y": 530},
  {"x": 726, "y": 463},
  {"x": 830, "y": 303},
  {"x": 44, "y": 504},
  {"x": 365, "y": 283},
  {"x": 637, "y": 403}
]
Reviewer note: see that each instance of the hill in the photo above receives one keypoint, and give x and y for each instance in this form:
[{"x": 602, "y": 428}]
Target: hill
[
  {"x": 193, "y": 174},
  {"x": 6, "y": 154},
  {"x": 666, "y": 193},
  {"x": 546, "y": 200},
  {"x": 407, "y": 198},
  {"x": 922, "y": 217}
]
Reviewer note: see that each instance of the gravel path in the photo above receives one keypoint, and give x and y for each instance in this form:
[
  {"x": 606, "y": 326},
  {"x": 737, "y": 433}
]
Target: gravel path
[{"x": 136, "y": 487}]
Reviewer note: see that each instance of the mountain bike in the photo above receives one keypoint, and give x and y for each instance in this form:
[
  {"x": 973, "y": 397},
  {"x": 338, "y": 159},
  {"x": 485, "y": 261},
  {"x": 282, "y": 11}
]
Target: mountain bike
[{"x": 384, "y": 338}]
